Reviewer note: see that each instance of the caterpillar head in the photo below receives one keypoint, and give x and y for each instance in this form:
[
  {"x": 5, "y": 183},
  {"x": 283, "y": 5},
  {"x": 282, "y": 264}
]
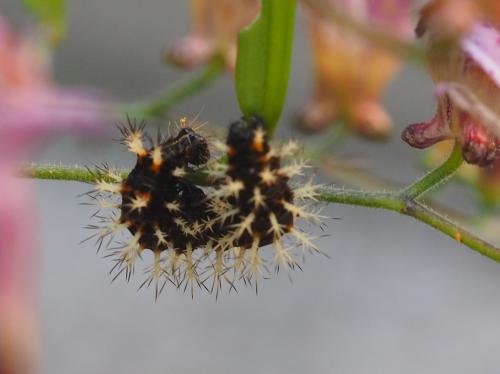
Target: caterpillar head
[
  {"x": 248, "y": 136},
  {"x": 189, "y": 146}
]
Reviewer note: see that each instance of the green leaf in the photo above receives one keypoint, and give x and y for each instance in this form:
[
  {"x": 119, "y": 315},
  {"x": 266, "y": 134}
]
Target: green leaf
[
  {"x": 51, "y": 14},
  {"x": 264, "y": 60}
]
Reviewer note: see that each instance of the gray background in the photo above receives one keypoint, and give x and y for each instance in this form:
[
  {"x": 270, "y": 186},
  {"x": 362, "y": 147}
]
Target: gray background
[{"x": 395, "y": 297}]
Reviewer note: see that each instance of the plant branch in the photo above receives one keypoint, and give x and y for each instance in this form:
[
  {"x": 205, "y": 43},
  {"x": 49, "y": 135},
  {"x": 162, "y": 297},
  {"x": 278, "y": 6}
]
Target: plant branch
[
  {"x": 437, "y": 176},
  {"x": 425, "y": 214},
  {"x": 179, "y": 92},
  {"x": 64, "y": 173},
  {"x": 401, "y": 204},
  {"x": 381, "y": 200},
  {"x": 401, "y": 201}
]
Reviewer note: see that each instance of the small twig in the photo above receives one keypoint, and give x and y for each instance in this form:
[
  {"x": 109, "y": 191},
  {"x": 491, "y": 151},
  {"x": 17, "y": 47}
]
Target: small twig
[
  {"x": 179, "y": 92},
  {"x": 402, "y": 201},
  {"x": 382, "y": 200},
  {"x": 399, "y": 203},
  {"x": 65, "y": 173},
  {"x": 437, "y": 176},
  {"x": 425, "y": 214}
]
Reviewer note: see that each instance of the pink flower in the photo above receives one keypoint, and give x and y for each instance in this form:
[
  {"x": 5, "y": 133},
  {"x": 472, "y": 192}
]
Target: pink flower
[
  {"x": 31, "y": 106},
  {"x": 17, "y": 276},
  {"x": 215, "y": 28},
  {"x": 467, "y": 78},
  {"x": 351, "y": 72},
  {"x": 32, "y": 110}
]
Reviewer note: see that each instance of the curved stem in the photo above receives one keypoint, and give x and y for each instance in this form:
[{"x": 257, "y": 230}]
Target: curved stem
[
  {"x": 425, "y": 214},
  {"x": 403, "y": 202},
  {"x": 382, "y": 200},
  {"x": 437, "y": 176},
  {"x": 181, "y": 91},
  {"x": 399, "y": 203}
]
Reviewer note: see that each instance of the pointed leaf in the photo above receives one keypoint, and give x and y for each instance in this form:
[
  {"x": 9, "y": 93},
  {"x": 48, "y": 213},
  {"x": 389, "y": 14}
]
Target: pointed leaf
[{"x": 264, "y": 59}]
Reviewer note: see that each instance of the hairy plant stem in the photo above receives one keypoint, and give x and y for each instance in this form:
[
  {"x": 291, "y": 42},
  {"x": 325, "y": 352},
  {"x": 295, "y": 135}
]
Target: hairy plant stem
[
  {"x": 179, "y": 92},
  {"x": 437, "y": 176},
  {"x": 405, "y": 201},
  {"x": 399, "y": 203},
  {"x": 64, "y": 173}
]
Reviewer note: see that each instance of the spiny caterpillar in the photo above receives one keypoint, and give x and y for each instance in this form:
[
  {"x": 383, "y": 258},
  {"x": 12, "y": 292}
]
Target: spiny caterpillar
[{"x": 197, "y": 236}]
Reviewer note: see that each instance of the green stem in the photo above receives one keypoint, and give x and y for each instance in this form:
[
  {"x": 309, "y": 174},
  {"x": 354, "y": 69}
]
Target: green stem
[
  {"x": 63, "y": 173},
  {"x": 181, "y": 91},
  {"x": 400, "y": 204},
  {"x": 382, "y": 200},
  {"x": 425, "y": 214},
  {"x": 403, "y": 202},
  {"x": 437, "y": 176}
]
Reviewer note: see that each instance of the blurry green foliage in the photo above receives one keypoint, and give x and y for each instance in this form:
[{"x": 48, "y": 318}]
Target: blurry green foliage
[{"x": 51, "y": 14}]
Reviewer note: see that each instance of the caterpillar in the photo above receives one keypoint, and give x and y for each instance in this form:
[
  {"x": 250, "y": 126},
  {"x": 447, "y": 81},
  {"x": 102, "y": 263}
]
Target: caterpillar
[{"x": 204, "y": 237}]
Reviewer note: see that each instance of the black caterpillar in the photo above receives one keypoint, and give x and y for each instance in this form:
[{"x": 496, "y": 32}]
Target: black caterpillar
[
  {"x": 158, "y": 203},
  {"x": 195, "y": 234},
  {"x": 262, "y": 192}
]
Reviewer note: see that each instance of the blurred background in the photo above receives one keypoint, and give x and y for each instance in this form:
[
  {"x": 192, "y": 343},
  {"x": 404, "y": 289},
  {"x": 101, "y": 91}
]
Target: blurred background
[{"x": 394, "y": 297}]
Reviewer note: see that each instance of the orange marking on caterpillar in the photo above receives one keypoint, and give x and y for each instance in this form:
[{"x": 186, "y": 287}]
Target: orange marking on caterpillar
[{"x": 257, "y": 145}]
